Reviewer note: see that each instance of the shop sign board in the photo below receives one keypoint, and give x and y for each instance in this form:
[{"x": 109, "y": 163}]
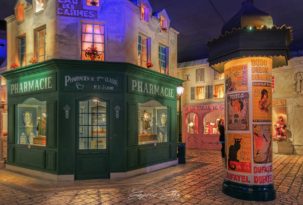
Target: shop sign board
[
  {"x": 74, "y": 8},
  {"x": 150, "y": 88},
  {"x": 92, "y": 82},
  {"x": 34, "y": 83}
]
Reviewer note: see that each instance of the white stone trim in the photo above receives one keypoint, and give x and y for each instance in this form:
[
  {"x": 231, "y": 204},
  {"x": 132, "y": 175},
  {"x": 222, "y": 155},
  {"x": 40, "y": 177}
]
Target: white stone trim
[
  {"x": 40, "y": 174},
  {"x": 121, "y": 175}
]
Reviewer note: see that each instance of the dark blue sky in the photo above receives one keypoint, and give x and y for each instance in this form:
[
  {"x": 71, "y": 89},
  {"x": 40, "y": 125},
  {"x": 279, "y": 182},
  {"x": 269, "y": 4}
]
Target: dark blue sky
[{"x": 197, "y": 21}]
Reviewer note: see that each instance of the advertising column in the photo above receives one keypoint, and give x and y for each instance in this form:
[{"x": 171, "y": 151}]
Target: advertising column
[{"x": 248, "y": 127}]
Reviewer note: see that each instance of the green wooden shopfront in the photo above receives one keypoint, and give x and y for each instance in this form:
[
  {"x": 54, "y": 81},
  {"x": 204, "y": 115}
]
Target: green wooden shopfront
[{"x": 90, "y": 119}]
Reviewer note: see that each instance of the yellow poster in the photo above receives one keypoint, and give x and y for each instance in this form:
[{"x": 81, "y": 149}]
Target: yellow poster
[
  {"x": 262, "y": 99},
  {"x": 236, "y": 78},
  {"x": 261, "y": 70},
  {"x": 239, "y": 152},
  {"x": 262, "y": 144}
]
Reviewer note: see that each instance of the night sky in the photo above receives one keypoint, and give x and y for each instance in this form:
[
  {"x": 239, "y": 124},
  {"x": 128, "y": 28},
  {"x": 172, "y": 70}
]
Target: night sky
[{"x": 198, "y": 22}]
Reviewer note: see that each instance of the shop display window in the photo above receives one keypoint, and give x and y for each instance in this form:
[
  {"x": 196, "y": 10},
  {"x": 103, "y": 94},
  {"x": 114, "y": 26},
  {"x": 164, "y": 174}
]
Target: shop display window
[
  {"x": 31, "y": 122},
  {"x": 192, "y": 123},
  {"x": 210, "y": 122},
  {"x": 153, "y": 123},
  {"x": 92, "y": 124}
]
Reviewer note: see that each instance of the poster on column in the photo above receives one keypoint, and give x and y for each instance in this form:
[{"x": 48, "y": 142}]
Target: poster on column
[
  {"x": 237, "y": 111},
  {"x": 262, "y": 174},
  {"x": 261, "y": 70},
  {"x": 236, "y": 78},
  {"x": 262, "y": 102},
  {"x": 262, "y": 144},
  {"x": 239, "y": 152}
]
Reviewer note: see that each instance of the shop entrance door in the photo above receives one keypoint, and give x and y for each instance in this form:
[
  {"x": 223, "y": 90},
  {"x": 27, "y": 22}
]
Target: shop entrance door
[{"x": 92, "y": 153}]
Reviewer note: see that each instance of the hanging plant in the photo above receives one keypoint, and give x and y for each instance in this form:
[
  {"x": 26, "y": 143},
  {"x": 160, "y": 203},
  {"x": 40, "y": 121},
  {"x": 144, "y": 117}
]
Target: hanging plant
[
  {"x": 14, "y": 66},
  {"x": 33, "y": 60},
  {"x": 149, "y": 64},
  {"x": 92, "y": 53}
]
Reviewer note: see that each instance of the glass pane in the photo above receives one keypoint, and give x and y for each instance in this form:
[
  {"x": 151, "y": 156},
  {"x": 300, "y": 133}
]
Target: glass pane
[
  {"x": 83, "y": 143},
  {"x": 83, "y": 131},
  {"x": 98, "y": 29},
  {"x": 153, "y": 123},
  {"x": 87, "y": 37},
  {"x": 100, "y": 47},
  {"x": 87, "y": 28},
  {"x": 99, "y": 39},
  {"x": 83, "y": 107},
  {"x": 31, "y": 122}
]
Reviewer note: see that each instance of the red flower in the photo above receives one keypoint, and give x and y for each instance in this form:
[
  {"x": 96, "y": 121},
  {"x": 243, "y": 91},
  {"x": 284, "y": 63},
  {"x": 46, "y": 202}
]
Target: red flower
[
  {"x": 92, "y": 52},
  {"x": 14, "y": 65},
  {"x": 149, "y": 64}
]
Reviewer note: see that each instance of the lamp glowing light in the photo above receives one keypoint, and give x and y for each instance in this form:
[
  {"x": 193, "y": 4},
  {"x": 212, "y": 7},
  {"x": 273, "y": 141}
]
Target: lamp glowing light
[{"x": 180, "y": 90}]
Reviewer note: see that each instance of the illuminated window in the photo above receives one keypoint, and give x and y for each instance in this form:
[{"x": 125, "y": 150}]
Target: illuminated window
[
  {"x": 92, "y": 2},
  {"x": 92, "y": 124},
  {"x": 218, "y": 76},
  {"x": 200, "y": 93},
  {"x": 21, "y": 50},
  {"x": 219, "y": 91},
  {"x": 144, "y": 51},
  {"x": 163, "y": 23},
  {"x": 40, "y": 35},
  {"x": 92, "y": 47},
  {"x": 153, "y": 123},
  {"x": 31, "y": 122},
  {"x": 19, "y": 12},
  {"x": 163, "y": 59},
  {"x": 39, "y": 5},
  {"x": 145, "y": 13},
  {"x": 200, "y": 74},
  {"x": 192, "y": 122}
]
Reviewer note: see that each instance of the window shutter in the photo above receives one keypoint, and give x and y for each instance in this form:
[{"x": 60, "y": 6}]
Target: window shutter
[
  {"x": 209, "y": 91},
  {"x": 148, "y": 46},
  {"x": 192, "y": 93}
]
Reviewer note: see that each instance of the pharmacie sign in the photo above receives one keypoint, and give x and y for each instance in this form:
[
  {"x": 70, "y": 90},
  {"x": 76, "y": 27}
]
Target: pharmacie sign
[
  {"x": 74, "y": 8},
  {"x": 32, "y": 84},
  {"x": 150, "y": 88}
]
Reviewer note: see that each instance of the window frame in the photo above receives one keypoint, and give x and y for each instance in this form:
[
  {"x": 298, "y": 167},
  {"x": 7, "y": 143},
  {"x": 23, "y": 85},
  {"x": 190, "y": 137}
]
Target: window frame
[
  {"x": 19, "y": 53},
  {"x": 36, "y": 43},
  {"x": 203, "y": 92},
  {"x": 93, "y": 34},
  {"x": 147, "y": 45},
  {"x": 166, "y": 48},
  {"x": 201, "y": 76}
]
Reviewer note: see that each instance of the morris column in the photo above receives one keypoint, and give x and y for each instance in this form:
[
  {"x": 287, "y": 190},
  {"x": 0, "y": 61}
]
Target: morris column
[{"x": 247, "y": 50}]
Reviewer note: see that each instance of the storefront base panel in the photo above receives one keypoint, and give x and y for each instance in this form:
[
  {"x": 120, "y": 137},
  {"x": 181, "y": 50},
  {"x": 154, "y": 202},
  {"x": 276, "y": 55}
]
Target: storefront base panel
[
  {"x": 250, "y": 193},
  {"x": 39, "y": 174},
  {"x": 283, "y": 147},
  {"x": 121, "y": 175}
]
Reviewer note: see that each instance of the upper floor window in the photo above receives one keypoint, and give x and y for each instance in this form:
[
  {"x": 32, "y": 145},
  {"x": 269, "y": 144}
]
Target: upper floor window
[
  {"x": 92, "y": 2},
  {"x": 21, "y": 50},
  {"x": 200, "y": 93},
  {"x": 219, "y": 91},
  {"x": 200, "y": 74},
  {"x": 144, "y": 13},
  {"x": 19, "y": 12},
  {"x": 144, "y": 51},
  {"x": 40, "y": 35},
  {"x": 163, "y": 23},
  {"x": 39, "y": 5},
  {"x": 163, "y": 59},
  {"x": 218, "y": 76},
  {"x": 92, "y": 45}
]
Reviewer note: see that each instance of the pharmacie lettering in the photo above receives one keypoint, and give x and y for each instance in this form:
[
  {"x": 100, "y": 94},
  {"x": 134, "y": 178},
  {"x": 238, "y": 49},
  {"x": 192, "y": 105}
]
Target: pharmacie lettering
[
  {"x": 152, "y": 89},
  {"x": 31, "y": 86}
]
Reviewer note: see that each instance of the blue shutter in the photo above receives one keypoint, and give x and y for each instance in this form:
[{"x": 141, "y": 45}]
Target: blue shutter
[
  {"x": 166, "y": 60},
  {"x": 148, "y": 46}
]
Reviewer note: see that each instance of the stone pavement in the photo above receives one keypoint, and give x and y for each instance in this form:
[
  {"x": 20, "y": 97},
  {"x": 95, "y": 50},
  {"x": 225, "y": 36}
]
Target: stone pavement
[{"x": 197, "y": 182}]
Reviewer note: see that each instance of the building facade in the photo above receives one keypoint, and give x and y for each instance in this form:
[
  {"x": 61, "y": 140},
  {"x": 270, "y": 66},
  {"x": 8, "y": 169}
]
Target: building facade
[
  {"x": 287, "y": 105},
  {"x": 202, "y": 104},
  {"x": 91, "y": 88}
]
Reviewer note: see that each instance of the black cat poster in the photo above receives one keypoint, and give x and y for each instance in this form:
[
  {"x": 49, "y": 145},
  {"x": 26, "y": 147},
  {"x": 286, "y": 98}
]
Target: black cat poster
[
  {"x": 237, "y": 111},
  {"x": 239, "y": 152}
]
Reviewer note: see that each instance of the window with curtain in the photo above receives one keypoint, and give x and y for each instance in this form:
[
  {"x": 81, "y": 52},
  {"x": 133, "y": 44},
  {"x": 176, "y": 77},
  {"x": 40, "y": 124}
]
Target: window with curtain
[
  {"x": 92, "y": 45},
  {"x": 144, "y": 51},
  {"x": 144, "y": 13},
  {"x": 92, "y": 124},
  {"x": 219, "y": 91},
  {"x": 22, "y": 50},
  {"x": 200, "y": 93},
  {"x": 40, "y": 43},
  {"x": 163, "y": 58},
  {"x": 92, "y": 2}
]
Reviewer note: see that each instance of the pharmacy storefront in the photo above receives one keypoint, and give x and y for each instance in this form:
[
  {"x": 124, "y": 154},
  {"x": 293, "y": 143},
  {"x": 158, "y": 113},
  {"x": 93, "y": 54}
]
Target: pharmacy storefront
[{"x": 83, "y": 120}]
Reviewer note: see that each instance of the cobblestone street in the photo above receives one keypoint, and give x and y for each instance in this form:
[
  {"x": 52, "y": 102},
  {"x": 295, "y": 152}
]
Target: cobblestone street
[{"x": 197, "y": 182}]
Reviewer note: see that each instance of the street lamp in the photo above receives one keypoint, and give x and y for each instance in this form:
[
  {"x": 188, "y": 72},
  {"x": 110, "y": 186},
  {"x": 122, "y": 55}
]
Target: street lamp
[
  {"x": 181, "y": 146},
  {"x": 180, "y": 90}
]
